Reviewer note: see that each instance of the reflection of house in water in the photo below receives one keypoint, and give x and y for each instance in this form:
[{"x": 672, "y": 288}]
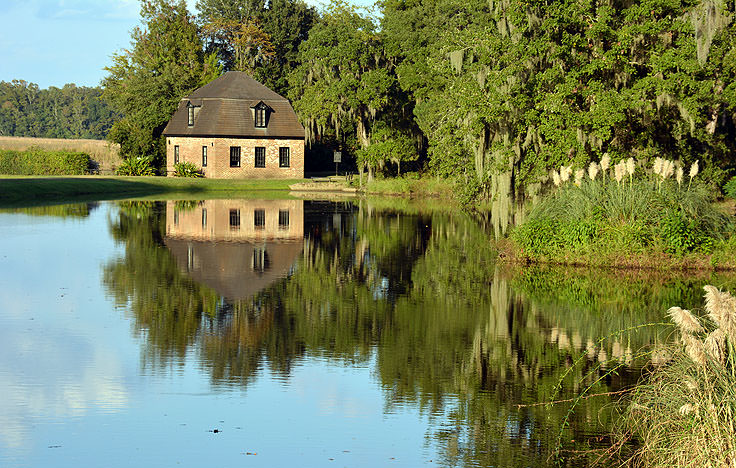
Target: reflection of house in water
[{"x": 236, "y": 247}]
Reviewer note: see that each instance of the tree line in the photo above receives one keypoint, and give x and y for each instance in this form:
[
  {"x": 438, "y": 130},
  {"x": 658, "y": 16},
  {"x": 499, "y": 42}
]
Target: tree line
[
  {"x": 492, "y": 93},
  {"x": 68, "y": 112}
]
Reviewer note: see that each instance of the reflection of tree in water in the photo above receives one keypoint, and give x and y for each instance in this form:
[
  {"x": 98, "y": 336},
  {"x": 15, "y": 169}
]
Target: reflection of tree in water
[
  {"x": 70, "y": 210},
  {"x": 167, "y": 305},
  {"x": 451, "y": 331}
]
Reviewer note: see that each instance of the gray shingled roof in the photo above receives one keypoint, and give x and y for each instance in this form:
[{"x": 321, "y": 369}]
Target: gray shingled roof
[
  {"x": 225, "y": 111},
  {"x": 222, "y": 265}
]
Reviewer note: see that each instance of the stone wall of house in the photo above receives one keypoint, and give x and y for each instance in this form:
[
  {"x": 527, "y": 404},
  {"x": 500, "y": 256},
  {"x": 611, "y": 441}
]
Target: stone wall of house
[
  {"x": 236, "y": 220},
  {"x": 218, "y": 157}
]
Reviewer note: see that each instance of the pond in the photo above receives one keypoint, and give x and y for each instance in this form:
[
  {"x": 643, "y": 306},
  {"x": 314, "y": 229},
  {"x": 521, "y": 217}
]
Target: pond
[{"x": 306, "y": 333}]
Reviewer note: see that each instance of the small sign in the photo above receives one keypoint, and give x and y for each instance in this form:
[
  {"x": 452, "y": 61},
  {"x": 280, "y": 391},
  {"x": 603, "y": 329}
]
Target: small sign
[{"x": 337, "y": 156}]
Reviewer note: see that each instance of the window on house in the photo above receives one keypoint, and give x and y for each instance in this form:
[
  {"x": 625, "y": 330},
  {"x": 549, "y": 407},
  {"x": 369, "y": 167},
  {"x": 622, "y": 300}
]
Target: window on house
[
  {"x": 260, "y": 259},
  {"x": 204, "y": 217},
  {"x": 261, "y": 115},
  {"x": 204, "y": 156},
  {"x": 190, "y": 108},
  {"x": 176, "y": 154},
  {"x": 284, "y": 156},
  {"x": 234, "y": 219},
  {"x": 235, "y": 156},
  {"x": 259, "y": 219},
  {"x": 283, "y": 219},
  {"x": 260, "y": 156}
]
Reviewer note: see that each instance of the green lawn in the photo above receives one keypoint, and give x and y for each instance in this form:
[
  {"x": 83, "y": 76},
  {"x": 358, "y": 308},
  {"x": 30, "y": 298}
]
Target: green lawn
[{"x": 35, "y": 190}]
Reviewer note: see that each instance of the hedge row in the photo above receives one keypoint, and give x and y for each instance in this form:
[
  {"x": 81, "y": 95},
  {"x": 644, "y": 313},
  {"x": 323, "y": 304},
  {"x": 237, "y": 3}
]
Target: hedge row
[{"x": 35, "y": 161}]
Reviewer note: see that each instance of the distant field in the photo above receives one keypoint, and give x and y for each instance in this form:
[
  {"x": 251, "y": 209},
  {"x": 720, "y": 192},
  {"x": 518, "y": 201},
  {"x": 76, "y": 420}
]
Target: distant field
[{"x": 104, "y": 153}]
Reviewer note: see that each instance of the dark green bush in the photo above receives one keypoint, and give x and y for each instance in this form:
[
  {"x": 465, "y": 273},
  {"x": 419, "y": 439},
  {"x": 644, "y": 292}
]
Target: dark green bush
[
  {"x": 681, "y": 235},
  {"x": 35, "y": 161},
  {"x": 186, "y": 169},
  {"x": 545, "y": 236},
  {"x": 139, "y": 166},
  {"x": 538, "y": 236}
]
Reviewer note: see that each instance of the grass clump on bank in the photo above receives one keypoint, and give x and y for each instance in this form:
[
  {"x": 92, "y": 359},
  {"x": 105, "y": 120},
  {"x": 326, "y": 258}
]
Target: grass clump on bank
[
  {"x": 36, "y": 161},
  {"x": 409, "y": 184},
  {"x": 683, "y": 413},
  {"x": 600, "y": 217}
]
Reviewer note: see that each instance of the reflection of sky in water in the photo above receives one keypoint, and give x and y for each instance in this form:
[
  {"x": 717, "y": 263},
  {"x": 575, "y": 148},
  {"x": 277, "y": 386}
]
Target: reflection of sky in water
[
  {"x": 57, "y": 359},
  {"x": 75, "y": 392}
]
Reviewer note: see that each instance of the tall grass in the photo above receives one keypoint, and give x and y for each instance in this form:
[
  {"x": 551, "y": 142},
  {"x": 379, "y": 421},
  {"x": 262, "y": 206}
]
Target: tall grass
[
  {"x": 683, "y": 412},
  {"x": 628, "y": 208}
]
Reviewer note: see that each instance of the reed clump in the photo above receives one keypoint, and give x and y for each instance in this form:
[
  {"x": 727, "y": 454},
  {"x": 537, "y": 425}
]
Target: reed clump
[
  {"x": 629, "y": 207},
  {"x": 682, "y": 414}
]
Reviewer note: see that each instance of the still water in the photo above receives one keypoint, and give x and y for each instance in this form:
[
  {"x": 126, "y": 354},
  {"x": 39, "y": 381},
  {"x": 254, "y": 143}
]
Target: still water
[{"x": 281, "y": 333}]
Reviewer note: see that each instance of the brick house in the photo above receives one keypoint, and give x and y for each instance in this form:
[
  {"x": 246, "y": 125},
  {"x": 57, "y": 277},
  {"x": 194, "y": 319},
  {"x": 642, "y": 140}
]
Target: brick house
[{"x": 234, "y": 127}]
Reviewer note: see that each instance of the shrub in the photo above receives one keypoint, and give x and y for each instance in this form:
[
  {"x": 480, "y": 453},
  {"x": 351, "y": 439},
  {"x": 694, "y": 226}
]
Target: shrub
[
  {"x": 139, "y": 166},
  {"x": 186, "y": 169},
  {"x": 35, "y": 161},
  {"x": 681, "y": 235}
]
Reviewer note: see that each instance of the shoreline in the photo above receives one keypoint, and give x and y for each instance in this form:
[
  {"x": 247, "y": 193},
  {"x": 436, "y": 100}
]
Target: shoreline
[{"x": 654, "y": 261}]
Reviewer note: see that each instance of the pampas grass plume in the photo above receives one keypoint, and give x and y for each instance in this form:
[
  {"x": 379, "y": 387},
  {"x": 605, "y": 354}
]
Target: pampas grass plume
[
  {"x": 686, "y": 409},
  {"x": 630, "y": 166},
  {"x": 668, "y": 168},
  {"x": 556, "y": 178},
  {"x": 618, "y": 170},
  {"x": 565, "y": 172},
  {"x": 605, "y": 162},
  {"x": 593, "y": 170},
  {"x": 694, "y": 348},
  {"x": 694, "y": 169},
  {"x": 715, "y": 305},
  {"x": 579, "y": 174},
  {"x": 721, "y": 308},
  {"x": 685, "y": 320},
  {"x": 658, "y": 162},
  {"x": 679, "y": 175},
  {"x": 715, "y": 345}
]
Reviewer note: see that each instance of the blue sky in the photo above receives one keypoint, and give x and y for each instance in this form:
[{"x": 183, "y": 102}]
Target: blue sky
[{"x": 54, "y": 42}]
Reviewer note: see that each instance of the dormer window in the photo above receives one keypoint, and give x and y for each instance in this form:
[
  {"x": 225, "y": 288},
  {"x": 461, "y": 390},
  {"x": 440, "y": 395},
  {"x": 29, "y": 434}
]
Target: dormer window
[
  {"x": 190, "y": 109},
  {"x": 261, "y": 115}
]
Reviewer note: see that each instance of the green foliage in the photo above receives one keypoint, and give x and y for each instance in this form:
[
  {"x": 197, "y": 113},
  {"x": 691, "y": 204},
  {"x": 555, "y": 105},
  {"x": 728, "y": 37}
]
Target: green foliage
[
  {"x": 69, "y": 112},
  {"x": 387, "y": 145},
  {"x": 138, "y": 166},
  {"x": 681, "y": 235},
  {"x": 343, "y": 80},
  {"x": 285, "y": 22},
  {"x": 146, "y": 82},
  {"x": 187, "y": 169},
  {"x": 635, "y": 216},
  {"x": 36, "y": 161},
  {"x": 730, "y": 188},
  {"x": 508, "y": 90}
]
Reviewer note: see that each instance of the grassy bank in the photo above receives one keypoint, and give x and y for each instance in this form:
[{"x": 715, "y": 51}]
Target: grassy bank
[
  {"x": 26, "y": 191},
  {"x": 408, "y": 185}
]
